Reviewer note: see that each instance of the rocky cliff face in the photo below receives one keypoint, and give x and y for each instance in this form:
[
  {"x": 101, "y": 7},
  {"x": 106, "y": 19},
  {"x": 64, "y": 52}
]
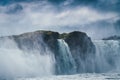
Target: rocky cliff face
[
  {"x": 82, "y": 50},
  {"x": 80, "y": 45},
  {"x": 36, "y": 40}
]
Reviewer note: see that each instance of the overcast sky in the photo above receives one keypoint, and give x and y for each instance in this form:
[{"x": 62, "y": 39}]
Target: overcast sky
[{"x": 95, "y": 17}]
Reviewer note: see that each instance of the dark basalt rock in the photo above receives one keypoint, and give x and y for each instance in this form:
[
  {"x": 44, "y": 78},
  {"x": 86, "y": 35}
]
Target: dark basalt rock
[
  {"x": 115, "y": 37},
  {"x": 80, "y": 44},
  {"x": 81, "y": 48},
  {"x": 79, "y": 40},
  {"x": 50, "y": 38},
  {"x": 34, "y": 40}
]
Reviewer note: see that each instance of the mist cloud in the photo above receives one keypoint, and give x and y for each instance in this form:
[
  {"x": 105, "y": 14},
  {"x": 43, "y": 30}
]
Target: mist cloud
[{"x": 16, "y": 63}]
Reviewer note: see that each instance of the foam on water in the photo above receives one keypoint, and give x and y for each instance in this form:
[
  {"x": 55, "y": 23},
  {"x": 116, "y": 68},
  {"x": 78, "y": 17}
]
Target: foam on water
[{"x": 86, "y": 76}]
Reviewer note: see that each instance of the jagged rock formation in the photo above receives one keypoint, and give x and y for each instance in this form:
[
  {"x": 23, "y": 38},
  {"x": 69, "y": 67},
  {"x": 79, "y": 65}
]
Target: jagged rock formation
[{"x": 81, "y": 46}]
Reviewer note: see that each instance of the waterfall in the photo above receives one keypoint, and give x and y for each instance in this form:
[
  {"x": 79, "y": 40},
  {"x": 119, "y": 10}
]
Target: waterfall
[
  {"x": 107, "y": 55},
  {"x": 15, "y": 62},
  {"x": 106, "y": 58},
  {"x": 18, "y": 63},
  {"x": 67, "y": 63}
]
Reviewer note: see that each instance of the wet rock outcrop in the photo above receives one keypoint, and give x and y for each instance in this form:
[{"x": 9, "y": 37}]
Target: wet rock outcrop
[
  {"x": 80, "y": 45},
  {"x": 82, "y": 50},
  {"x": 115, "y": 37}
]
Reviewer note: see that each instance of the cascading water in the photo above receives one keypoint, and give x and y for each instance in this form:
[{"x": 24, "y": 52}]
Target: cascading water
[
  {"x": 17, "y": 63},
  {"x": 106, "y": 58},
  {"x": 107, "y": 55},
  {"x": 67, "y": 64}
]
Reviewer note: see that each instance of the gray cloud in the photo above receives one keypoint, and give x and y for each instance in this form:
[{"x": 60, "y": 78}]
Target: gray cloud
[{"x": 25, "y": 17}]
